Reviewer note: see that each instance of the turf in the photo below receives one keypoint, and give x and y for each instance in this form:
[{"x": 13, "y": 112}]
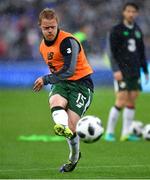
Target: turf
[{"x": 23, "y": 112}]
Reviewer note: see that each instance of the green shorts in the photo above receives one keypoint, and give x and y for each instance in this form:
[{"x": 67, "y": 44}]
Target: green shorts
[
  {"x": 79, "y": 96},
  {"x": 129, "y": 84}
]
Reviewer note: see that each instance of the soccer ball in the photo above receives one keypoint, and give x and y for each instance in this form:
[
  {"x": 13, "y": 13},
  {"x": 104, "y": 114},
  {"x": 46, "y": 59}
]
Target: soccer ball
[
  {"x": 136, "y": 128},
  {"x": 89, "y": 129},
  {"x": 146, "y": 132}
]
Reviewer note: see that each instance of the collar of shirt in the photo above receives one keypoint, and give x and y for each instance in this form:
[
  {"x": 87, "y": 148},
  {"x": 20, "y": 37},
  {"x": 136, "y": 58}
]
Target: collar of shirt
[{"x": 130, "y": 26}]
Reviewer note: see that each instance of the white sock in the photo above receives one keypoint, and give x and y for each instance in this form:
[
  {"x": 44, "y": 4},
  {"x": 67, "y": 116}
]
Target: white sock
[
  {"x": 112, "y": 120},
  {"x": 74, "y": 145},
  {"x": 60, "y": 117},
  {"x": 128, "y": 116}
]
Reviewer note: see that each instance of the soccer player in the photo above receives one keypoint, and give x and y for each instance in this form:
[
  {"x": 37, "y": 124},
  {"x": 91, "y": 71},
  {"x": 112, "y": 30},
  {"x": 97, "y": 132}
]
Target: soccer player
[
  {"x": 72, "y": 86},
  {"x": 128, "y": 56}
]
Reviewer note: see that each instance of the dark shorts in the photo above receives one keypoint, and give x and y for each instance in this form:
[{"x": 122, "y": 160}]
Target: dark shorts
[
  {"x": 130, "y": 84},
  {"x": 79, "y": 96}
]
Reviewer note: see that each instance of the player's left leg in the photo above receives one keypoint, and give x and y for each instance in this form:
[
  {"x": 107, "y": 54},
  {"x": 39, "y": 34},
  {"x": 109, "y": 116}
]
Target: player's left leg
[
  {"x": 128, "y": 116},
  {"x": 113, "y": 115},
  {"x": 74, "y": 143},
  {"x": 79, "y": 100},
  {"x": 121, "y": 97}
]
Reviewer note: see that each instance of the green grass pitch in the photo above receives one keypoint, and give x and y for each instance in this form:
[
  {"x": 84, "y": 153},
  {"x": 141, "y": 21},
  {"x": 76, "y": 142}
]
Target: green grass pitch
[{"x": 23, "y": 112}]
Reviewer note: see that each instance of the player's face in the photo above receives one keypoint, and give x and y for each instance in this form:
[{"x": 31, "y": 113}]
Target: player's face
[
  {"x": 49, "y": 28},
  {"x": 130, "y": 14}
]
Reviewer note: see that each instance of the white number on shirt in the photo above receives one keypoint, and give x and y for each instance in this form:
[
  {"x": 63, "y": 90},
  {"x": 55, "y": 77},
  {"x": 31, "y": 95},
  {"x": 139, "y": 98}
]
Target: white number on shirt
[
  {"x": 68, "y": 50},
  {"x": 131, "y": 45}
]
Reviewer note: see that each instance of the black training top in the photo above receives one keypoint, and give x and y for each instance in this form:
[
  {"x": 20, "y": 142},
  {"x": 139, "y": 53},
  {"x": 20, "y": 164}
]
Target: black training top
[{"x": 127, "y": 50}]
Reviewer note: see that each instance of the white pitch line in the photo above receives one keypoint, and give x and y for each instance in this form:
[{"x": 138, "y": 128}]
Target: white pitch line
[{"x": 82, "y": 167}]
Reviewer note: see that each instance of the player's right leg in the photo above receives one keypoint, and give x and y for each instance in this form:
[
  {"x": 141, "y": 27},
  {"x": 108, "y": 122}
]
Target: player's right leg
[
  {"x": 121, "y": 97},
  {"x": 60, "y": 116}
]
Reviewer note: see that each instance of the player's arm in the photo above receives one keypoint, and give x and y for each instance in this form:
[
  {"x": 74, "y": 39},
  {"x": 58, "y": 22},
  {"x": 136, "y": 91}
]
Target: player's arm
[
  {"x": 69, "y": 49},
  {"x": 143, "y": 61},
  {"x": 114, "y": 46}
]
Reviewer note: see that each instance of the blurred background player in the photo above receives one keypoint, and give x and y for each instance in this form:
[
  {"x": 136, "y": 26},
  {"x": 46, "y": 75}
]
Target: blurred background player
[
  {"x": 83, "y": 35},
  {"x": 72, "y": 88},
  {"x": 128, "y": 56}
]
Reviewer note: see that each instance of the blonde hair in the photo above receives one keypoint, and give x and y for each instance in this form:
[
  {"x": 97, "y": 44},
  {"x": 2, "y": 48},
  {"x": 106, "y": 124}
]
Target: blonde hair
[{"x": 47, "y": 13}]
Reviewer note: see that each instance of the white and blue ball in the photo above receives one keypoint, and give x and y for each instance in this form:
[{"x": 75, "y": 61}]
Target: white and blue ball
[
  {"x": 136, "y": 128},
  {"x": 89, "y": 129},
  {"x": 146, "y": 132}
]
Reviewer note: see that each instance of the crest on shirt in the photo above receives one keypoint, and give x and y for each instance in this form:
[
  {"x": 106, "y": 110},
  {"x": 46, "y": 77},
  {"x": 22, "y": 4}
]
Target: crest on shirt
[
  {"x": 125, "y": 33},
  {"x": 138, "y": 34},
  {"x": 50, "y": 55}
]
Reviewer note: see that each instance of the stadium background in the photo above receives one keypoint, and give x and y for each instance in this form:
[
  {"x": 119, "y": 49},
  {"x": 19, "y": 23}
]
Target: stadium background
[
  {"x": 20, "y": 61},
  {"x": 20, "y": 110}
]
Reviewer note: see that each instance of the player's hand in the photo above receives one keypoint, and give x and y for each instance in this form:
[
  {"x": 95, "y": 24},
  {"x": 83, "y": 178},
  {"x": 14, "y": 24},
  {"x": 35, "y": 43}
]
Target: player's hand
[
  {"x": 146, "y": 78},
  {"x": 38, "y": 84},
  {"x": 118, "y": 75}
]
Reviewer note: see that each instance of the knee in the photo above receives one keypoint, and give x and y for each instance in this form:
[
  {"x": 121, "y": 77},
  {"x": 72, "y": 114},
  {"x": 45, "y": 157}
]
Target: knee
[
  {"x": 52, "y": 102},
  {"x": 121, "y": 99},
  {"x": 120, "y": 103},
  {"x": 57, "y": 100},
  {"x": 130, "y": 103}
]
